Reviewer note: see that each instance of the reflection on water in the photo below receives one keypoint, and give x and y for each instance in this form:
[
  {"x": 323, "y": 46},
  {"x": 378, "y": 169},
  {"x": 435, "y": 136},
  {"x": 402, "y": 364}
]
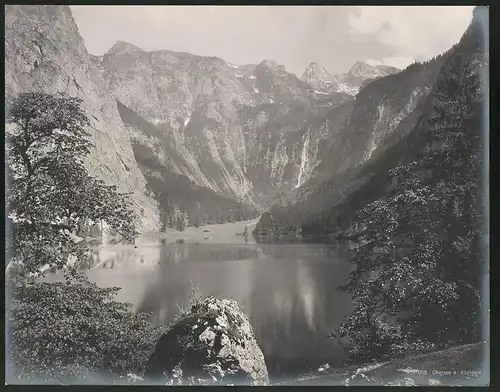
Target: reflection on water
[{"x": 287, "y": 290}]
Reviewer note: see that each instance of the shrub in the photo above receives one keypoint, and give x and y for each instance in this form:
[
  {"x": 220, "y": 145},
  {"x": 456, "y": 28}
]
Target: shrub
[{"x": 70, "y": 331}]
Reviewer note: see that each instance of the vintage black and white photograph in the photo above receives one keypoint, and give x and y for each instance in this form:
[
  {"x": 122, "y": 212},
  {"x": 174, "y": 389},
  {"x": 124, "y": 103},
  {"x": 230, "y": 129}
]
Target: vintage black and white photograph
[{"x": 247, "y": 195}]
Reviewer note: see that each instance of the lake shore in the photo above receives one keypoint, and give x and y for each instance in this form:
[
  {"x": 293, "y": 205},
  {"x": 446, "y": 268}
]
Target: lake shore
[{"x": 226, "y": 233}]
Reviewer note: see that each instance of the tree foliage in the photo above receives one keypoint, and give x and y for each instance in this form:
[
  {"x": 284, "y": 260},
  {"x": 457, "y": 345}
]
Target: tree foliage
[
  {"x": 419, "y": 267},
  {"x": 49, "y": 193},
  {"x": 61, "y": 332}
]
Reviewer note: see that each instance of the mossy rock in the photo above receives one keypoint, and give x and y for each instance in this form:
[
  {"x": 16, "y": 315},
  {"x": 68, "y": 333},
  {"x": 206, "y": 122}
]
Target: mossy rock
[{"x": 213, "y": 344}]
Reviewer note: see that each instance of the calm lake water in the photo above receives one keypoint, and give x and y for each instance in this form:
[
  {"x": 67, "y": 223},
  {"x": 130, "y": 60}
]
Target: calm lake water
[{"x": 288, "y": 291}]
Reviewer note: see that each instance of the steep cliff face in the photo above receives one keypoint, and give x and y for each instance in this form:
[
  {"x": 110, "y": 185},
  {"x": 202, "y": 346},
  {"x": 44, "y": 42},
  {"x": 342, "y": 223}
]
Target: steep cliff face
[
  {"x": 350, "y": 83},
  {"x": 242, "y": 131},
  {"x": 448, "y": 119},
  {"x": 177, "y": 195},
  {"x": 44, "y": 52},
  {"x": 385, "y": 111}
]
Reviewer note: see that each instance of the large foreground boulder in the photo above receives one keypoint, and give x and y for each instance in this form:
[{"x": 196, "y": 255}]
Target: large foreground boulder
[{"x": 213, "y": 344}]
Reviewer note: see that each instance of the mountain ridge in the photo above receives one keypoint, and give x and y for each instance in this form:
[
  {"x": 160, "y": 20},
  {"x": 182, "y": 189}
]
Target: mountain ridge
[
  {"x": 350, "y": 82},
  {"x": 217, "y": 114},
  {"x": 247, "y": 132},
  {"x": 328, "y": 204}
]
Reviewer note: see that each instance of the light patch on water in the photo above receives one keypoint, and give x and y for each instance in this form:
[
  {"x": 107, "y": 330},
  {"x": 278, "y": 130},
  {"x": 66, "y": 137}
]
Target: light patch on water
[
  {"x": 285, "y": 302},
  {"x": 308, "y": 299},
  {"x": 307, "y": 294},
  {"x": 125, "y": 256}
]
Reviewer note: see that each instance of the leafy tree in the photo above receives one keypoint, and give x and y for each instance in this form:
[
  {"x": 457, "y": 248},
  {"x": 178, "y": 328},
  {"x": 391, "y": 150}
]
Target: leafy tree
[
  {"x": 416, "y": 270},
  {"x": 397, "y": 272},
  {"x": 62, "y": 331},
  {"x": 49, "y": 192}
]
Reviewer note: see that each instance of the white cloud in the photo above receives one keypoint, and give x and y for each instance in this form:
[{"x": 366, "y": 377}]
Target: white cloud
[
  {"x": 400, "y": 62},
  {"x": 412, "y": 32}
]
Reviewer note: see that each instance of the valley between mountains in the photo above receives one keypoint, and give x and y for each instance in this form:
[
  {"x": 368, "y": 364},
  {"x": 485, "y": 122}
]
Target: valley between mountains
[{"x": 199, "y": 140}]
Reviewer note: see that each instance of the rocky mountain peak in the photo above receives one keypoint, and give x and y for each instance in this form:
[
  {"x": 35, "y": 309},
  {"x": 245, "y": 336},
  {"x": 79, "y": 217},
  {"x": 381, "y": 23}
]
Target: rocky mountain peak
[
  {"x": 314, "y": 70},
  {"x": 360, "y": 73},
  {"x": 320, "y": 79},
  {"x": 122, "y": 47},
  {"x": 272, "y": 65},
  {"x": 363, "y": 69},
  {"x": 367, "y": 71}
]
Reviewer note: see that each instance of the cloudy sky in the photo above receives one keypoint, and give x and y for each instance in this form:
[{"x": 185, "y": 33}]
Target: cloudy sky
[{"x": 333, "y": 36}]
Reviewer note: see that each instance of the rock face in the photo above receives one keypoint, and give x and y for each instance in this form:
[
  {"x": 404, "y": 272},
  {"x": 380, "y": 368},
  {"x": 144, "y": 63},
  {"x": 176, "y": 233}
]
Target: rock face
[
  {"x": 44, "y": 52},
  {"x": 242, "y": 131},
  {"x": 384, "y": 112},
  {"x": 213, "y": 344},
  {"x": 391, "y": 118},
  {"x": 350, "y": 83}
]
